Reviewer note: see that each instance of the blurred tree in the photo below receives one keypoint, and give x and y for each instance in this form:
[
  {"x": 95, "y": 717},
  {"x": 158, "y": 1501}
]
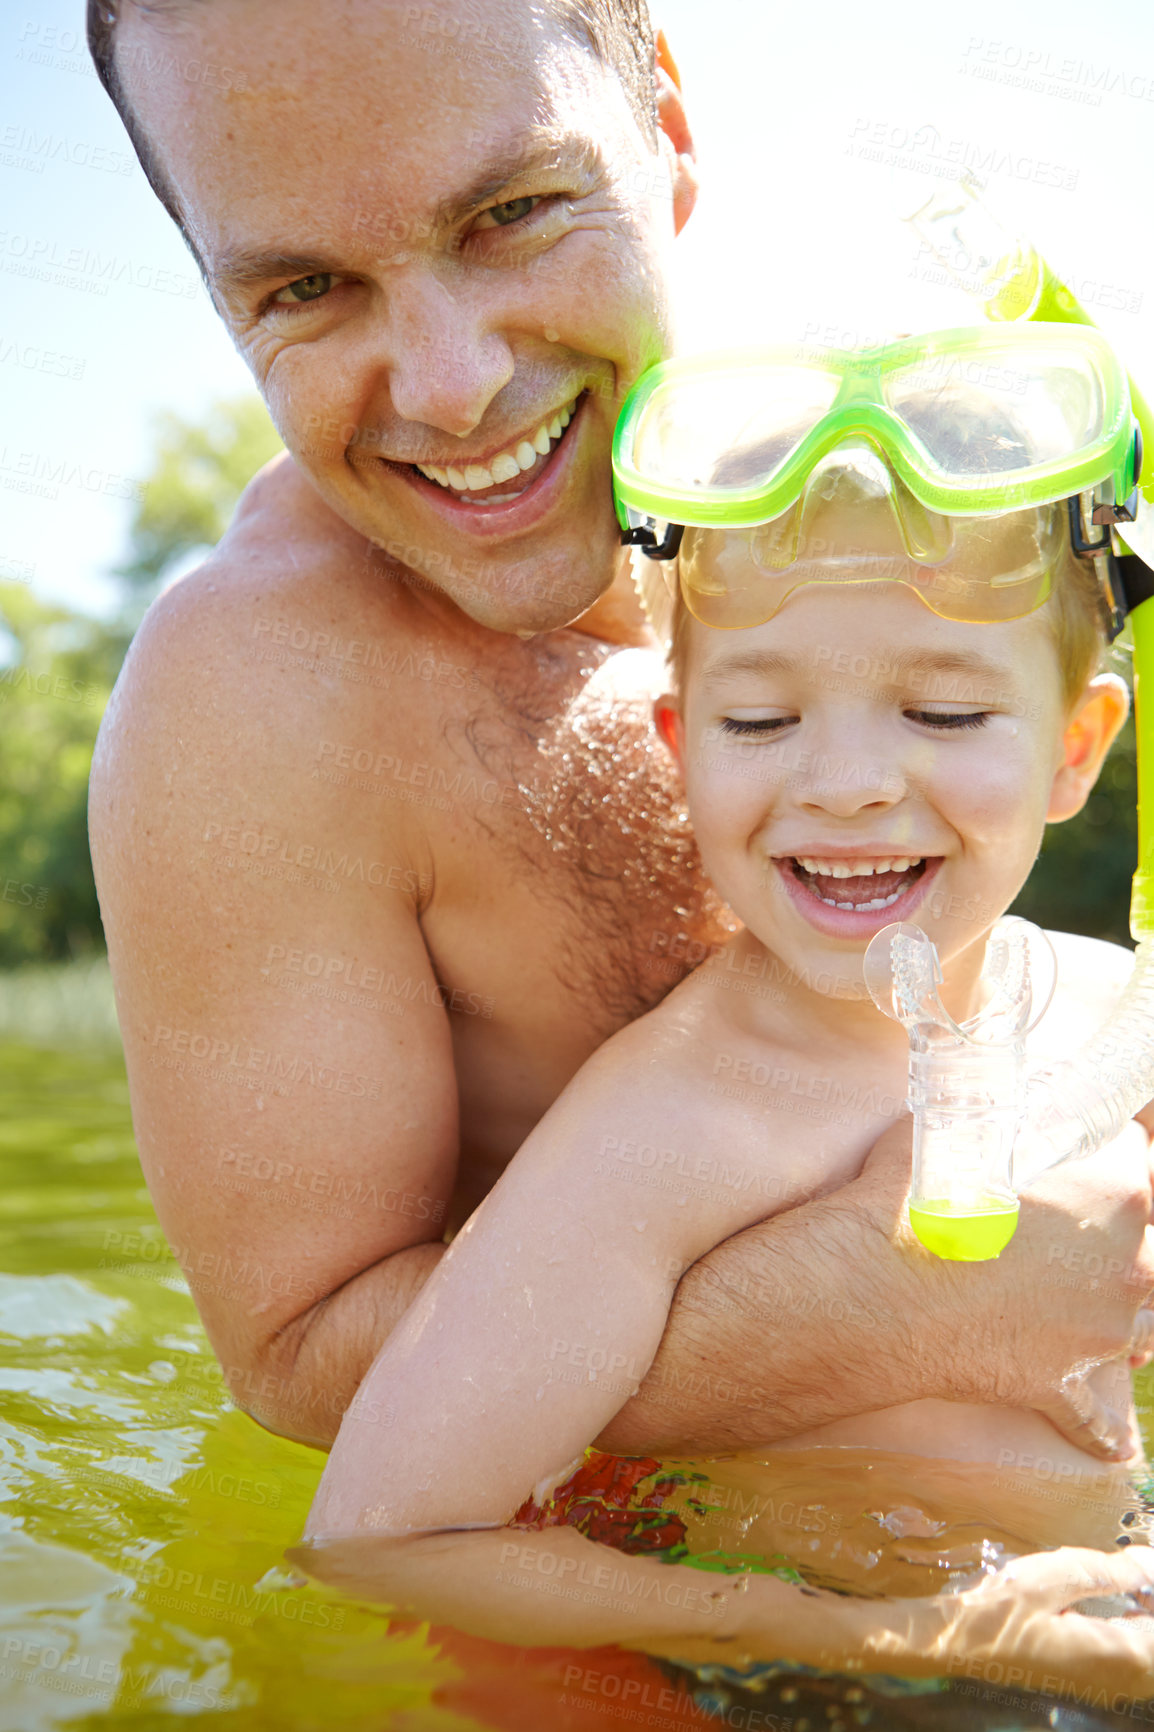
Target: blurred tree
[
  {"x": 198, "y": 474},
  {"x": 58, "y": 668},
  {"x": 1081, "y": 882},
  {"x": 53, "y": 690}
]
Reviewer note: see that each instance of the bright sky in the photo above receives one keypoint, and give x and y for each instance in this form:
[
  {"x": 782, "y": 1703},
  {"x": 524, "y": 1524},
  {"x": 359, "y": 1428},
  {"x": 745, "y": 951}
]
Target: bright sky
[{"x": 818, "y": 128}]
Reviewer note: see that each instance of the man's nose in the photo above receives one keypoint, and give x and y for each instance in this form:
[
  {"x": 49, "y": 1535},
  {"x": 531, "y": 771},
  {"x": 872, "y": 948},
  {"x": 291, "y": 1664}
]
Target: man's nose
[{"x": 445, "y": 364}]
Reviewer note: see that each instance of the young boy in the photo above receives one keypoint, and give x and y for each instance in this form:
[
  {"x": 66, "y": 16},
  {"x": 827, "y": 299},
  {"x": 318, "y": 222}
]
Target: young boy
[{"x": 856, "y": 759}]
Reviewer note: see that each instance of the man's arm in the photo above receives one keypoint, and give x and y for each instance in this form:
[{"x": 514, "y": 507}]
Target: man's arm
[
  {"x": 833, "y": 1309},
  {"x": 298, "y": 1130}
]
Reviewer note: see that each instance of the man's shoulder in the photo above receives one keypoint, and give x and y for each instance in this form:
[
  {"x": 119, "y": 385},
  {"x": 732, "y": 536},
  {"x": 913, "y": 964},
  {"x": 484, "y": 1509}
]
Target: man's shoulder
[
  {"x": 288, "y": 597},
  {"x": 243, "y": 669},
  {"x": 285, "y": 549}
]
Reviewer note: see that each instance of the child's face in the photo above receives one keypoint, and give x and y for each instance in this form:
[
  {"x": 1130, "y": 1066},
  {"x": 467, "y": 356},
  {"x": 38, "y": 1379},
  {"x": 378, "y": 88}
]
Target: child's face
[{"x": 858, "y": 760}]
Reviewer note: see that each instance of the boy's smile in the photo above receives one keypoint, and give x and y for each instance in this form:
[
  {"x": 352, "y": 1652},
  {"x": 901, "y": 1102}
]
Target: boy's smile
[
  {"x": 847, "y": 896},
  {"x": 859, "y": 760}
]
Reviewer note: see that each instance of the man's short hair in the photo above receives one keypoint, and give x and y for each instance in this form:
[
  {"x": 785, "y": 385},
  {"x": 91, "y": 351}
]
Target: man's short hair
[{"x": 618, "y": 32}]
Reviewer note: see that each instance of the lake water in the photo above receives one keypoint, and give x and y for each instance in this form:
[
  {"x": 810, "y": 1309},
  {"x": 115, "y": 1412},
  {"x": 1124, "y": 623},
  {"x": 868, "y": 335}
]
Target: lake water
[{"x": 141, "y": 1514}]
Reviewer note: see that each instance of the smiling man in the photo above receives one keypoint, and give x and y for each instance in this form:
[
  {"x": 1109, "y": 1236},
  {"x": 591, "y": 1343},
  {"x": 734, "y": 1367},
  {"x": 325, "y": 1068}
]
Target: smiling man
[{"x": 384, "y": 847}]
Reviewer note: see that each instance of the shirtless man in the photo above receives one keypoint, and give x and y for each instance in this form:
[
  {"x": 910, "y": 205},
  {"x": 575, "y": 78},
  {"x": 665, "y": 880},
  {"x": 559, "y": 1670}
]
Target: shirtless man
[{"x": 382, "y": 848}]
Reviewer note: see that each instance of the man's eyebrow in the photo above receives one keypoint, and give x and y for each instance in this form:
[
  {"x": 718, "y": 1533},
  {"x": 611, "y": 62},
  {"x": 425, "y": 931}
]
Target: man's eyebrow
[
  {"x": 541, "y": 150},
  {"x": 240, "y": 267}
]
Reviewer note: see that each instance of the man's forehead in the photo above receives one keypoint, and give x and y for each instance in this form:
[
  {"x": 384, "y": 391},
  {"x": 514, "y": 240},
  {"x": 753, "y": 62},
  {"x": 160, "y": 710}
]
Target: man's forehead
[
  {"x": 348, "y": 104},
  {"x": 240, "y": 259}
]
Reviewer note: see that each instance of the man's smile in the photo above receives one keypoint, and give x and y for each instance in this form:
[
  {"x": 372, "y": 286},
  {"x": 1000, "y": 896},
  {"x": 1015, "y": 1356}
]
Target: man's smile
[
  {"x": 495, "y": 507},
  {"x": 487, "y": 483}
]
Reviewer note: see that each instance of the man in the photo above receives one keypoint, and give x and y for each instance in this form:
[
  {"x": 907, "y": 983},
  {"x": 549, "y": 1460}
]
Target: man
[{"x": 383, "y": 848}]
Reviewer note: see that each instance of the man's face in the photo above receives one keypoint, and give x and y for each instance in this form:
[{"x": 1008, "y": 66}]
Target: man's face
[{"x": 435, "y": 233}]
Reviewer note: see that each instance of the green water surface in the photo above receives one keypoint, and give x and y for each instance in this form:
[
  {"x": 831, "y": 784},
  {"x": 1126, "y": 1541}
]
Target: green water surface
[{"x": 140, "y": 1512}]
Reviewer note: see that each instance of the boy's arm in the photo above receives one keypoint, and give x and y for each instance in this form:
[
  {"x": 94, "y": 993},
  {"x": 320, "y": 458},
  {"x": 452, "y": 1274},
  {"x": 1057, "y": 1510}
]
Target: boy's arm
[
  {"x": 539, "y": 1321},
  {"x": 558, "y": 1589}
]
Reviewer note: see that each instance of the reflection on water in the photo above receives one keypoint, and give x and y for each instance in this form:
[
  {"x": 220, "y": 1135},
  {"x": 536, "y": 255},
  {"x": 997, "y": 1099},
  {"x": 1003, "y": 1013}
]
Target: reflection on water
[{"x": 143, "y": 1519}]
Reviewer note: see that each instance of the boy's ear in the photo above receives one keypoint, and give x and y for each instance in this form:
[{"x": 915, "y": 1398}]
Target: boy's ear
[
  {"x": 668, "y": 722},
  {"x": 1090, "y": 733},
  {"x": 676, "y": 140}
]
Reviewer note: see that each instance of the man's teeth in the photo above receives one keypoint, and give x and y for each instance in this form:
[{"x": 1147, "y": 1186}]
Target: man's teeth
[
  {"x": 857, "y": 868},
  {"x": 506, "y": 465}
]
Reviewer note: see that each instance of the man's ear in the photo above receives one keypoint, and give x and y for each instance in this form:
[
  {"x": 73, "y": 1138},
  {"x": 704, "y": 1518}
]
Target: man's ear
[
  {"x": 668, "y": 722},
  {"x": 677, "y": 139},
  {"x": 1089, "y": 734}
]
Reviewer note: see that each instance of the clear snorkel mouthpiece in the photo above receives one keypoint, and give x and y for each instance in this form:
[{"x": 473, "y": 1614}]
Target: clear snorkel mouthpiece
[{"x": 967, "y": 1081}]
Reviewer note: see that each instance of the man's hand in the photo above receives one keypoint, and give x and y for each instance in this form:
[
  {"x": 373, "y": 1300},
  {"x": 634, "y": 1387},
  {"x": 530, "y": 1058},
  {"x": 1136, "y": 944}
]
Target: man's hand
[
  {"x": 834, "y": 1309},
  {"x": 1024, "y": 1626},
  {"x": 1066, "y": 1295}
]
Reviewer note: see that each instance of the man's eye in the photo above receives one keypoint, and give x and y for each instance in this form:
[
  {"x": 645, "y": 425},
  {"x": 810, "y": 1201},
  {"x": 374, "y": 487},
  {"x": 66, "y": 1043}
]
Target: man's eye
[
  {"x": 304, "y": 289},
  {"x": 514, "y": 211}
]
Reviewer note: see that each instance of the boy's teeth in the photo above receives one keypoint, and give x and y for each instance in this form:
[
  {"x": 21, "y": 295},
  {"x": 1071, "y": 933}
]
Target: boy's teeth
[
  {"x": 856, "y": 868},
  {"x": 864, "y": 907},
  {"x": 506, "y": 465}
]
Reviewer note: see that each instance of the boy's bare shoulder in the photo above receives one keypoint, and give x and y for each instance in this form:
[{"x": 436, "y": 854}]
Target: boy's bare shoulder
[{"x": 1092, "y": 974}]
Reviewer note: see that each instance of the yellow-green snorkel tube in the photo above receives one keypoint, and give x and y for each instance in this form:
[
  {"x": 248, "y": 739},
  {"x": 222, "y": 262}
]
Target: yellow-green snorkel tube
[{"x": 1081, "y": 1105}]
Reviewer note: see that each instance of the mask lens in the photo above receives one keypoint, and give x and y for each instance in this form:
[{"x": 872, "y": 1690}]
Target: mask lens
[
  {"x": 999, "y": 411},
  {"x": 728, "y": 428},
  {"x": 995, "y": 568}
]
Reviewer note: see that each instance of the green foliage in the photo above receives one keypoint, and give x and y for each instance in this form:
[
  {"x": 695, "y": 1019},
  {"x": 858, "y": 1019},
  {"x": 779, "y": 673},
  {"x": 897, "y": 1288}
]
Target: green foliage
[
  {"x": 59, "y": 670},
  {"x": 52, "y": 696},
  {"x": 197, "y": 477},
  {"x": 61, "y": 667},
  {"x": 1081, "y": 882}
]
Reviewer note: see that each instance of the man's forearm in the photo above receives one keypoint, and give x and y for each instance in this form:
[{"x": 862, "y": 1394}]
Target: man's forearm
[
  {"x": 311, "y": 1373},
  {"x": 806, "y": 1318}
]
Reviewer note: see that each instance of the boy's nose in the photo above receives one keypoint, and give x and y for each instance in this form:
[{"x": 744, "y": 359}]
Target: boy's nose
[
  {"x": 445, "y": 364},
  {"x": 846, "y": 784}
]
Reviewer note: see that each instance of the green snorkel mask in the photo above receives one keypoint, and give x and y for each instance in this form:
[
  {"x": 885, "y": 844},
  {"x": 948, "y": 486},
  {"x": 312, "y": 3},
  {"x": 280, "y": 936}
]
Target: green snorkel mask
[{"x": 980, "y": 455}]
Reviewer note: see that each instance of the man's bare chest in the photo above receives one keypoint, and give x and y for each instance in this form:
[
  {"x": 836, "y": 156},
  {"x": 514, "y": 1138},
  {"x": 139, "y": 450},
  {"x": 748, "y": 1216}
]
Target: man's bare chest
[{"x": 564, "y": 873}]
